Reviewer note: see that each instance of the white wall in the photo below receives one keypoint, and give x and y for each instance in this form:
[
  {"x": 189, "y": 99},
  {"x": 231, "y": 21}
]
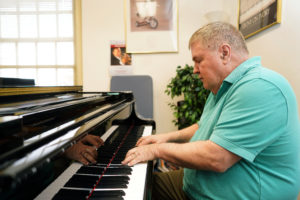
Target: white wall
[
  {"x": 279, "y": 46},
  {"x": 102, "y": 21}
]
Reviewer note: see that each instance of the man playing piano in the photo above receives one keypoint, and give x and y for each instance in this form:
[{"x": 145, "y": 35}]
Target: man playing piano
[{"x": 246, "y": 144}]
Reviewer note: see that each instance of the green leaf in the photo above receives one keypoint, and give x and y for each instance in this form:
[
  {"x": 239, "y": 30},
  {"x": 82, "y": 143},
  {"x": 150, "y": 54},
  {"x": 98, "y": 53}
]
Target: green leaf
[{"x": 190, "y": 86}]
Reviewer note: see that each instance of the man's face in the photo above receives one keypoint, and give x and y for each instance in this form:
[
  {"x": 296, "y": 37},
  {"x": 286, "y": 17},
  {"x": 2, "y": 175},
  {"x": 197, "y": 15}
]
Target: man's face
[
  {"x": 117, "y": 52},
  {"x": 208, "y": 66}
]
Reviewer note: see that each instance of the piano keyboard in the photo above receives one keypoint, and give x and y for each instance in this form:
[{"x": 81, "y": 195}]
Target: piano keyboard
[{"x": 116, "y": 182}]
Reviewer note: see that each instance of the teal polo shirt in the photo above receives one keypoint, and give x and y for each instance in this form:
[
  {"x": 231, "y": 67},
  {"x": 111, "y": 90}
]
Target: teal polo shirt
[{"x": 254, "y": 115}]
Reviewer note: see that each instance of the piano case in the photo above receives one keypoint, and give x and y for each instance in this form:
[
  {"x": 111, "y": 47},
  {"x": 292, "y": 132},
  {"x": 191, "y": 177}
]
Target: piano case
[{"x": 37, "y": 124}]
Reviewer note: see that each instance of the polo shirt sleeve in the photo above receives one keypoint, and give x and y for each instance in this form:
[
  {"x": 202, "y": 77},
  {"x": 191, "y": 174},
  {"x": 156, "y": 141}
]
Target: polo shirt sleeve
[{"x": 252, "y": 118}]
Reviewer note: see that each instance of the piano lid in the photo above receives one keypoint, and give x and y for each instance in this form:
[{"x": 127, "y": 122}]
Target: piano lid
[
  {"x": 24, "y": 119},
  {"x": 56, "y": 125}
]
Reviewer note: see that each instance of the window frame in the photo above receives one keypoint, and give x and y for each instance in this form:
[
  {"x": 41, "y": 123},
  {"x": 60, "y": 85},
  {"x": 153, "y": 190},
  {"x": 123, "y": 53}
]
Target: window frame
[{"x": 77, "y": 44}]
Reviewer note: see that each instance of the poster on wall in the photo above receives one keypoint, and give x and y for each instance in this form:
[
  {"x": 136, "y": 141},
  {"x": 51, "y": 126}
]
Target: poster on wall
[
  {"x": 120, "y": 60},
  {"x": 258, "y": 15},
  {"x": 151, "y": 26}
]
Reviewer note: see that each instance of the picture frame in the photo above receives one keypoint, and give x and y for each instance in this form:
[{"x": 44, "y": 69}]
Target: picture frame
[
  {"x": 255, "y": 16},
  {"x": 151, "y": 26}
]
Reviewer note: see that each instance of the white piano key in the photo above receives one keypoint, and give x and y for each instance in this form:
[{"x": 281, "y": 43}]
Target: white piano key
[
  {"x": 147, "y": 131},
  {"x": 136, "y": 186}
]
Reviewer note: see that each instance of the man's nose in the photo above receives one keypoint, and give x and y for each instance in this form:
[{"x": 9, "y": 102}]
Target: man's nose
[{"x": 196, "y": 70}]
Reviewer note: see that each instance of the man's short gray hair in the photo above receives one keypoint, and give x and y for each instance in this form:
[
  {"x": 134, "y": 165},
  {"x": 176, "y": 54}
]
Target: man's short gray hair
[{"x": 214, "y": 34}]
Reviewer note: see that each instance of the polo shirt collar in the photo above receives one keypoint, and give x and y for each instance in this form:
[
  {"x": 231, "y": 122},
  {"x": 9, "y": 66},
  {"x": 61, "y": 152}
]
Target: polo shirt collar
[{"x": 236, "y": 74}]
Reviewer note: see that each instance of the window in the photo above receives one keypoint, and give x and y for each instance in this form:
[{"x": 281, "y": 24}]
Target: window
[{"x": 37, "y": 41}]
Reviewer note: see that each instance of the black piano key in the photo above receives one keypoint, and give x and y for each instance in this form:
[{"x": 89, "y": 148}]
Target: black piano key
[
  {"x": 108, "y": 193},
  {"x": 111, "y": 185},
  {"x": 113, "y": 152},
  {"x": 106, "y": 198},
  {"x": 104, "y": 161},
  {"x": 106, "y": 152},
  {"x": 87, "y": 181},
  {"x": 109, "y": 171},
  {"x": 117, "y": 178},
  {"x": 66, "y": 194}
]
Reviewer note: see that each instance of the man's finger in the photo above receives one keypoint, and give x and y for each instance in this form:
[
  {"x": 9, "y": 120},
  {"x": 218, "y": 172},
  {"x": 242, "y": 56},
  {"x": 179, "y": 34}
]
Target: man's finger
[
  {"x": 129, "y": 157},
  {"x": 87, "y": 155},
  {"x": 83, "y": 160},
  {"x": 94, "y": 140},
  {"x": 92, "y": 150}
]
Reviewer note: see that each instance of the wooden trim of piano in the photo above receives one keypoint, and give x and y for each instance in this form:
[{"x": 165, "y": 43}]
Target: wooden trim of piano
[{"x": 9, "y": 91}]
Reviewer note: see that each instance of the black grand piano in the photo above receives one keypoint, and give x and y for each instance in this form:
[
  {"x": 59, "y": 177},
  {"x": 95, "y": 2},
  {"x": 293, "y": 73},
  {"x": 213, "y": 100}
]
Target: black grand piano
[{"x": 37, "y": 124}]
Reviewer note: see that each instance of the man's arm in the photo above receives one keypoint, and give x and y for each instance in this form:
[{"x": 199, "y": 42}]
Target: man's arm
[
  {"x": 184, "y": 135},
  {"x": 180, "y": 136},
  {"x": 202, "y": 155}
]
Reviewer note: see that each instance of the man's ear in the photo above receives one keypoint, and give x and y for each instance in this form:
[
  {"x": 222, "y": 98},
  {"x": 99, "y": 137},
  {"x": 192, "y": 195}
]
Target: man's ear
[{"x": 225, "y": 52}]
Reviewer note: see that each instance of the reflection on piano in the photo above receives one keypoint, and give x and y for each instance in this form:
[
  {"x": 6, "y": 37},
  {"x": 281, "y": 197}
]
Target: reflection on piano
[{"x": 38, "y": 124}]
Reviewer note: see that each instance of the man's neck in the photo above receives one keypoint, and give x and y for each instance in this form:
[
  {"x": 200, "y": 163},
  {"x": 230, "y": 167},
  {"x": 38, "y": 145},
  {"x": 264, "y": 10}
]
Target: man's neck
[{"x": 234, "y": 62}]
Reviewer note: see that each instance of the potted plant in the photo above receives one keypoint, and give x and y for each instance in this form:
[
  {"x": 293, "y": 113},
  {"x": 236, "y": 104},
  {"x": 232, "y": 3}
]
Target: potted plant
[{"x": 188, "y": 85}]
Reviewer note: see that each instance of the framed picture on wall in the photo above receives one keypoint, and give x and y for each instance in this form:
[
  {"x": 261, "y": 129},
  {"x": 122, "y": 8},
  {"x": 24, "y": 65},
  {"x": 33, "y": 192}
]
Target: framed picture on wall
[
  {"x": 151, "y": 26},
  {"x": 257, "y": 15}
]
